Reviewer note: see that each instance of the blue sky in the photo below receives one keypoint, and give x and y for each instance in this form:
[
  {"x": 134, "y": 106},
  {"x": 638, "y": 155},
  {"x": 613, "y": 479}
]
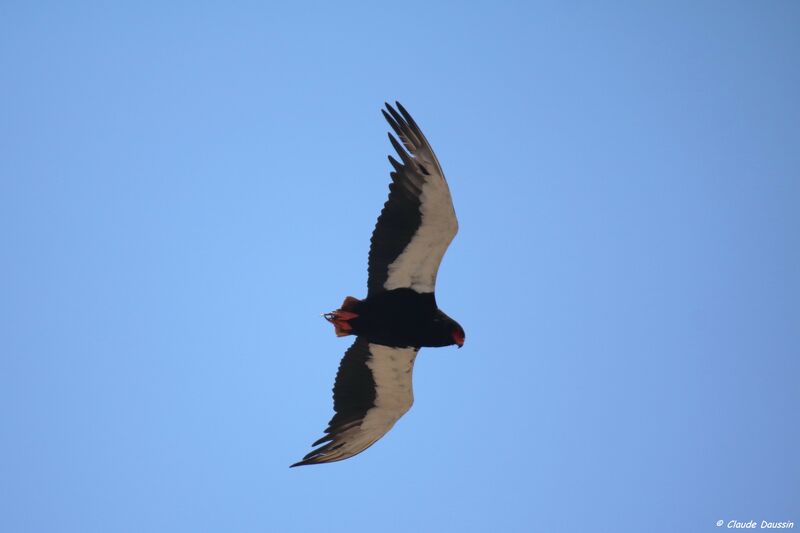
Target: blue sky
[{"x": 186, "y": 187}]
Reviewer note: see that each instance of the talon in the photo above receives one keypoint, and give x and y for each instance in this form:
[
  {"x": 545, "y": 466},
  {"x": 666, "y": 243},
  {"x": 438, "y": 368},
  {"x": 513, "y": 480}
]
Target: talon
[
  {"x": 341, "y": 327},
  {"x": 339, "y": 319}
]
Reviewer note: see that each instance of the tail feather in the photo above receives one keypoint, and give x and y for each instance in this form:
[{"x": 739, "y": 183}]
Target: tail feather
[{"x": 350, "y": 304}]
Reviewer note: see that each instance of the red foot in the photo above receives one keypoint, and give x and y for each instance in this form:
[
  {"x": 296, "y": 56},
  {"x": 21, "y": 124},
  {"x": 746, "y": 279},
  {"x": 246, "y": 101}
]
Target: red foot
[
  {"x": 344, "y": 315},
  {"x": 341, "y": 317}
]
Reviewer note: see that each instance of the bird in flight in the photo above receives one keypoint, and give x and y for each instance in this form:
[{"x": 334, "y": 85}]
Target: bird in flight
[{"x": 399, "y": 315}]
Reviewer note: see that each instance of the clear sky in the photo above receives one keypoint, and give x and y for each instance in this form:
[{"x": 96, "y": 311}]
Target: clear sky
[{"x": 187, "y": 186}]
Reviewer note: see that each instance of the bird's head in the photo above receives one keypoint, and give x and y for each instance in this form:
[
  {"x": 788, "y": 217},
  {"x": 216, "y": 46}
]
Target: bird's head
[
  {"x": 458, "y": 334},
  {"x": 446, "y": 331}
]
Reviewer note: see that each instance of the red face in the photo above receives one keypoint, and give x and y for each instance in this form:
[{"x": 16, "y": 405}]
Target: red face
[{"x": 458, "y": 336}]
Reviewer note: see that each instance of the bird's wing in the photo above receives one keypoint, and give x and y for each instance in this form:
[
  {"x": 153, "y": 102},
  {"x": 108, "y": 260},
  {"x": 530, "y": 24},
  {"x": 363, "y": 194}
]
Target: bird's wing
[
  {"x": 418, "y": 220},
  {"x": 371, "y": 393}
]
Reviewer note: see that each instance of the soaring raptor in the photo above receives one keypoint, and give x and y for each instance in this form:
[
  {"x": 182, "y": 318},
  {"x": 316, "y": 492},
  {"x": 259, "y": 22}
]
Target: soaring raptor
[{"x": 399, "y": 314}]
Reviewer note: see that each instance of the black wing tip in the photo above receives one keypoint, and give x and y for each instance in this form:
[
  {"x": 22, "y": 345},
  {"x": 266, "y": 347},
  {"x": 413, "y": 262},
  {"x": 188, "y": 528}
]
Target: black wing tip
[
  {"x": 319, "y": 441},
  {"x": 305, "y": 462},
  {"x": 318, "y": 456},
  {"x": 393, "y": 110},
  {"x": 399, "y": 149},
  {"x": 401, "y": 117},
  {"x": 388, "y": 112},
  {"x": 410, "y": 120},
  {"x": 398, "y": 168},
  {"x": 312, "y": 461},
  {"x": 405, "y": 126},
  {"x": 311, "y": 458}
]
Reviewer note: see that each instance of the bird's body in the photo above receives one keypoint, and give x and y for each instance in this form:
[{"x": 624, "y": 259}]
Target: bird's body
[{"x": 399, "y": 315}]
